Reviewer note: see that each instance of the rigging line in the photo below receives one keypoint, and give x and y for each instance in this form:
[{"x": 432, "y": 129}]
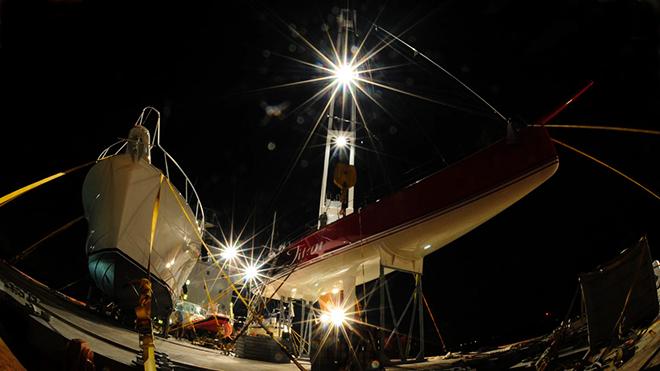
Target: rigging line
[
  {"x": 655, "y": 195},
  {"x": 22, "y": 255},
  {"x": 71, "y": 283},
  {"x": 335, "y": 88},
  {"x": 266, "y": 302},
  {"x": 435, "y": 325},
  {"x": 306, "y": 143},
  {"x": 371, "y": 136},
  {"x": 600, "y": 127},
  {"x": 378, "y": 48},
  {"x": 13, "y": 195},
  {"x": 366, "y": 36},
  {"x": 196, "y": 228},
  {"x": 417, "y": 52},
  {"x": 210, "y": 303},
  {"x": 462, "y": 106}
]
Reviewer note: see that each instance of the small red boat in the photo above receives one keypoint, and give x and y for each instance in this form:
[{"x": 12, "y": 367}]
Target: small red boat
[{"x": 214, "y": 324}]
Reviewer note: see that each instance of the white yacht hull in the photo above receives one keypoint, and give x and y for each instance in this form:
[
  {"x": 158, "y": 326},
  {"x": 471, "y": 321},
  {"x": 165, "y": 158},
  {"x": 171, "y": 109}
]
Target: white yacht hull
[{"x": 118, "y": 198}]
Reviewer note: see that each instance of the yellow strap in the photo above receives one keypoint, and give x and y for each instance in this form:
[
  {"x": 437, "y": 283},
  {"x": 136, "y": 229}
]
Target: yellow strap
[
  {"x": 154, "y": 222},
  {"x": 13, "y": 195},
  {"x": 148, "y": 348},
  {"x": 149, "y": 358},
  {"x": 608, "y": 167},
  {"x": 27, "y": 188}
]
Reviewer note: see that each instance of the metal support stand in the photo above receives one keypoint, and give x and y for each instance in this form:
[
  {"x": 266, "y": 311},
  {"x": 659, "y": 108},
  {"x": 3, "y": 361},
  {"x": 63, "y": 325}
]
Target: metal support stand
[
  {"x": 307, "y": 318},
  {"x": 416, "y": 317},
  {"x": 381, "y": 303},
  {"x": 420, "y": 307},
  {"x": 303, "y": 328}
]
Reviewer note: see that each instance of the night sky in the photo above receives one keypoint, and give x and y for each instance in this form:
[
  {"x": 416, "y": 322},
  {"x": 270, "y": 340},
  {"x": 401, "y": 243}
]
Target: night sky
[{"x": 76, "y": 74}]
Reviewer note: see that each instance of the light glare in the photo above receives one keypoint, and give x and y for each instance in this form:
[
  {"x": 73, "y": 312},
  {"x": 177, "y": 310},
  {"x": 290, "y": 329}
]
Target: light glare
[
  {"x": 250, "y": 272},
  {"x": 229, "y": 252},
  {"x": 345, "y": 74},
  {"x": 337, "y": 316},
  {"x": 341, "y": 141}
]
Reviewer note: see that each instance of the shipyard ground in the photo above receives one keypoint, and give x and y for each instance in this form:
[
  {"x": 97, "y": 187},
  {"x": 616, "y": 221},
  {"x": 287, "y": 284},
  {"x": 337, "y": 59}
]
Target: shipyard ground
[{"x": 38, "y": 323}]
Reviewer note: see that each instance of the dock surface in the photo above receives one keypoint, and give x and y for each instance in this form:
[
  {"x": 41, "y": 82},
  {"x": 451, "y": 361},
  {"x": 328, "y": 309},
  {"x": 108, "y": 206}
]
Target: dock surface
[
  {"x": 54, "y": 319},
  {"x": 54, "y": 316}
]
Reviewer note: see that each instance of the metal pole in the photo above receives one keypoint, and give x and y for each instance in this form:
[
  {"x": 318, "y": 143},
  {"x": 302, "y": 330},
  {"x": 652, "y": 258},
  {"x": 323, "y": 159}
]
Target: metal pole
[
  {"x": 382, "y": 313},
  {"x": 420, "y": 299},
  {"x": 412, "y": 321},
  {"x": 301, "y": 348},
  {"x": 351, "y": 157},
  {"x": 280, "y": 317},
  {"x": 310, "y": 318},
  {"x": 326, "y": 161},
  {"x": 350, "y": 25},
  {"x": 397, "y": 321}
]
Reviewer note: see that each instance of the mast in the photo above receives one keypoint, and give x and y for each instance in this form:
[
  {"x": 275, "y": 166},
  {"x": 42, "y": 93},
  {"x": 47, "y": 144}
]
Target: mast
[{"x": 340, "y": 138}]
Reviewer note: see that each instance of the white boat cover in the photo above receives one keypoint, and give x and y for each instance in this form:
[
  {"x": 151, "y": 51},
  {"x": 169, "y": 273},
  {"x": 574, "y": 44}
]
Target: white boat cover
[{"x": 118, "y": 198}]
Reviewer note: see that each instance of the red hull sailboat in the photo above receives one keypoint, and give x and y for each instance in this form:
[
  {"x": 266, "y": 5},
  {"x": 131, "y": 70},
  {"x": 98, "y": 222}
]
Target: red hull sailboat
[{"x": 398, "y": 231}]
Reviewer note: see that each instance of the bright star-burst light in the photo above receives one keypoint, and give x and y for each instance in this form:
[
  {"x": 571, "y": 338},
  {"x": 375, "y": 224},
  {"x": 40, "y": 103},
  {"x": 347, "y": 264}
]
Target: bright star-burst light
[
  {"x": 336, "y": 316},
  {"x": 341, "y": 141},
  {"x": 345, "y": 74},
  {"x": 250, "y": 272},
  {"x": 229, "y": 252}
]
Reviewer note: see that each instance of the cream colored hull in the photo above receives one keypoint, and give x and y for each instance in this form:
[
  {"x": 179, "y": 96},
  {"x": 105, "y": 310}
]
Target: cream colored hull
[{"x": 402, "y": 247}]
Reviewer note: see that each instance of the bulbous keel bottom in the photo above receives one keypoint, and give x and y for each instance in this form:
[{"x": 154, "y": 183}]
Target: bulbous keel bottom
[{"x": 115, "y": 273}]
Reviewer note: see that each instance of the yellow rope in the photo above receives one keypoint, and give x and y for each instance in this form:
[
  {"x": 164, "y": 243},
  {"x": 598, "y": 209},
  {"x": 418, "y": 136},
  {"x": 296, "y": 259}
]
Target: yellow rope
[
  {"x": 608, "y": 167},
  {"x": 13, "y": 195},
  {"x": 20, "y": 256},
  {"x": 608, "y": 128},
  {"x": 201, "y": 239}
]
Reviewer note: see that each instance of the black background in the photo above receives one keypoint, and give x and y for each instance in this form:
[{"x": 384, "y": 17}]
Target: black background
[{"x": 75, "y": 75}]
